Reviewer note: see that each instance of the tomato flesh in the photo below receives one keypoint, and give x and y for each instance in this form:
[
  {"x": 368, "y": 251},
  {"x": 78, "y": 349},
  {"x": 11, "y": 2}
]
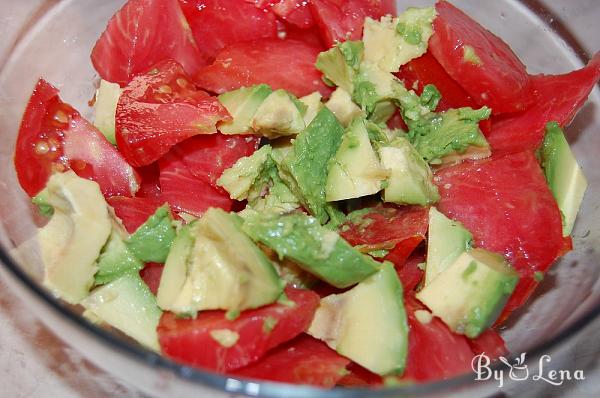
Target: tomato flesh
[
  {"x": 53, "y": 137},
  {"x": 189, "y": 341},
  {"x": 304, "y": 360},
  {"x": 489, "y": 343},
  {"x": 499, "y": 80},
  {"x": 151, "y": 275},
  {"x": 133, "y": 212},
  {"x": 507, "y": 205},
  {"x": 161, "y": 108},
  {"x": 141, "y": 34}
]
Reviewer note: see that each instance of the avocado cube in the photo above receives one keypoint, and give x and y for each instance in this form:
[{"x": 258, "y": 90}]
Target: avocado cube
[
  {"x": 367, "y": 323},
  {"x": 242, "y": 105},
  {"x": 238, "y": 179},
  {"x": 313, "y": 105},
  {"x": 340, "y": 103},
  {"x": 105, "y": 109},
  {"x": 116, "y": 259},
  {"x": 152, "y": 240},
  {"x": 281, "y": 114},
  {"x": 469, "y": 295},
  {"x": 340, "y": 63}
]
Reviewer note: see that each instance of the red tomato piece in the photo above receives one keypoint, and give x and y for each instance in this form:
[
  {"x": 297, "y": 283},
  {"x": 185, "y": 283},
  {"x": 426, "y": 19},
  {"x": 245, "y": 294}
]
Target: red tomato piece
[
  {"x": 557, "y": 98},
  {"x": 408, "y": 269},
  {"x": 133, "y": 212},
  {"x": 53, "y": 137},
  {"x": 186, "y": 192},
  {"x": 499, "y": 80},
  {"x": 217, "y": 24},
  {"x": 141, "y": 34},
  {"x": 310, "y": 36},
  {"x": 151, "y": 274},
  {"x": 304, "y": 360},
  {"x": 434, "y": 352},
  {"x": 507, "y": 205},
  {"x": 341, "y": 20},
  {"x": 489, "y": 343},
  {"x": 383, "y": 227},
  {"x": 286, "y": 64},
  {"x": 150, "y": 185},
  {"x": 161, "y": 108},
  {"x": 358, "y": 376},
  {"x": 189, "y": 341},
  {"x": 208, "y": 156}
]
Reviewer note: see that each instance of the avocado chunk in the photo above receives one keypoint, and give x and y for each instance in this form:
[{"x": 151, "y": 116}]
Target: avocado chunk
[
  {"x": 152, "y": 240},
  {"x": 392, "y": 42},
  {"x": 340, "y": 103},
  {"x": 469, "y": 295},
  {"x": 304, "y": 169},
  {"x": 375, "y": 90},
  {"x": 242, "y": 105},
  {"x": 411, "y": 179},
  {"x": 313, "y": 106},
  {"x": 72, "y": 239},
  {"x": 41, "y": 201},
  {"x": 447, "y": 239},
  {"x": 238, "y": 179},
  {"x": 315, "y": 248},
  {"x": 128, "y": 305},
  {"x": 281, "y": 114},
  {"x": 105, "y": 108},
  {"x": 564, "y": 175},
  {"x": 116, "y": 259},
  {"x": 354, "y": 171},
  {"x": 340, "y": 63},
  {"x": 214, "y": 265},
  {"x": 269, "y": 194},
  {"x": 367, "y": 323}
]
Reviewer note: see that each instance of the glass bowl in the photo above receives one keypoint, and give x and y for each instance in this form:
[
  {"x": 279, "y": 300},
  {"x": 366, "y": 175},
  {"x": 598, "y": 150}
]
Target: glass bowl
[{"x": 53, "y": 39}]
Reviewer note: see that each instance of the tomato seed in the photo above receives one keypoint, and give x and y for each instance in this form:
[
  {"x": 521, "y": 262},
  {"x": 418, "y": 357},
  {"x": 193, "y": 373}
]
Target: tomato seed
[
  {"x": 61, "y": 117},
  {"x": 165, "y": 89},
  {"x": 181, "y": 82},
  {"x": 42, "y": 148}
]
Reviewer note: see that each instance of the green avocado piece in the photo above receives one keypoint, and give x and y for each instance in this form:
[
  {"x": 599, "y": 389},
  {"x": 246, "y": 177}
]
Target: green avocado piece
[
  {"x": 410, "y": 178},
  {"x": 447, "y": 239},
  {"x": 269, "y": 194},
  {"x": 214, "y": 265},
  {"x": 340, "y": 63},
  {"x": 355, "y": 170},
  {"x": 564, "y": 175},
  {"x": 367, "y": 323},
  {"x": 116, "y": 259},
  {"x": 107, "y": 98},
  {"x": 281, "y": 114},
  {"x": 315, "y": 248},
  {"x": 340, "y": 103},
  {"x": 238, "y": 179},
  {"x": 304, "y": 170},
  {"x": 375, "y": 91},
  {"x": 242, "y": 105},
  {"x": 469, "y": 295},
  {"x": 152, "y": 240},
  {"x": 73, "y": 238},
  {"x": 128, "y": 305},
  {"x": 41, "y": 201},
  {"x": 313, "y": 105}
]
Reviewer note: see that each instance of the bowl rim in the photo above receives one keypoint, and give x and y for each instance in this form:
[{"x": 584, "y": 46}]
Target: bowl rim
[{"x": 240, "y": 385}]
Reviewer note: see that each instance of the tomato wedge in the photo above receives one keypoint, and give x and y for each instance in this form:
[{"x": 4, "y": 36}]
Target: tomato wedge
[
  {"x": 304, "y": 360},
  {"x": 219, "y": 23},
  {"x": 493, "y": 75},
  {"x": 507, "y": 205},
  {"x": 408, "y": 268},
  {"x": 133, "y": 212},
  {"x": 557, "y": 98},
  {"x": 53, "y": 137},
  {"x": 150, "y": 185},
  {"x": 357, "y": 376},
  {"x": 141, "y": 34},
  {"x": 286, "y": 64},
  {"x": 151, "y": 275},
  {"x": 189, "y": 341},
  {"x": 489, "y": 343},
  {"x": 341, "y": 20},
  {"x": 161, "y": 108}
]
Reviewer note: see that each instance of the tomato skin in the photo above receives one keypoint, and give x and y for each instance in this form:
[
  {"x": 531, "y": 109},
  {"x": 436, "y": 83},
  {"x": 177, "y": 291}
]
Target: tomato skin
[
  {"x": 507, "y": 205},
  {"x": 133, "y": 212},
  {"x": 150, "y": 185},
  {"x": 217, "y": 24},
  {"x": 161, "y": 108},
  {"x": 304, "y": 360},
  {"x": 286, "y": 64},
  {"x": 557, "y": 98},
  {"x": 489, "y": 343},
  {"x": 189, "y": 341},
  {"x": 141, "y": 34},
  {"x": 408, "y": 269},
  {"x": 151, "y": 275},
  {"x": 500, "y": 81},
  {"x": 68, "y": 142},
  {"x": 358, "y": 376}
]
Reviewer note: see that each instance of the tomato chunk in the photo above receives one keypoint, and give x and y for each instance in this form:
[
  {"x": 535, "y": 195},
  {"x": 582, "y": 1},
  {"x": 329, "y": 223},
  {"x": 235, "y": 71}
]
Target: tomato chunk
[
  {"x": 286, "y": 64},
  {"x": 358, "y": 376},
  {"x": 343, "y": 20},
  {"x": 557, "y": 98},
  {"x": 133, "y": 212},
  {"x": 161, "y": 108},
  {"x": 141, "y": 34},
  {"x": 489, "y": 343},
  {"x": 490, "y": 72},
  {"x": 150, "y": 185},
  {"x": 408, "y": 268},
  {"x": 189, "y": 341},
  {"x": 151, "y": 275},
  {"x": 219, "y": 23},
  {"x": 507, "y": 205},
  {"x": 304, "y": 360},
  {"x": 53, "y": 137}
]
